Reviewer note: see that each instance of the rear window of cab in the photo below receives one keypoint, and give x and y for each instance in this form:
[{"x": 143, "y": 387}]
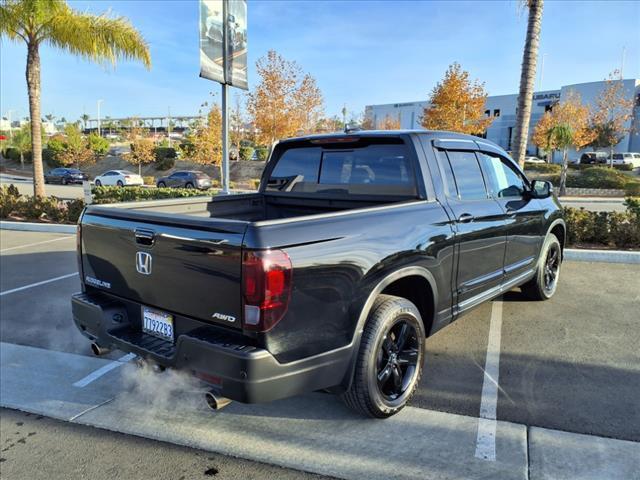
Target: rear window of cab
[{"x": 379, "y": 167}]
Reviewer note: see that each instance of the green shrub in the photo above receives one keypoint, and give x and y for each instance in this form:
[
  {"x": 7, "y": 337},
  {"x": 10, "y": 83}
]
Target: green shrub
[
  {"x": 131, "y": 194},
  {"x": 632, "y": 188},
  {"x": 254, "y": 183},
  {"x": 543, "y": 167},
  {"x": 262, "y": 153},
  {"x": 618, "y": 229},
  {"x": 165, "y": 158},
  {"x": 74, "y": 209},
  {"x": 632, "y": 204},
  {"x": 11, "y": 153},
  {"x": 625, "y": 167},
  {"x": 246, "y": 153},
  {"x": 9, "y": 198},
  {"x": 599, "y": 177},
  {"x": 98, "y": 144}
]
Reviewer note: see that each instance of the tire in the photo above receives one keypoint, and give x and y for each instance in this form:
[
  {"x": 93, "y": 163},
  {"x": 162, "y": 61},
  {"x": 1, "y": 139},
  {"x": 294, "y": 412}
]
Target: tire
[
  {"x": 188, "y": 185},
  {"x": 63, "y": 181},
  {"x": 545, "y": 282},
  {"x": 161, "y": 185},
  {"x": 119, "y": 183},
  {"x": 98, "y": 183},
  {"x": 376, "y": 358}
]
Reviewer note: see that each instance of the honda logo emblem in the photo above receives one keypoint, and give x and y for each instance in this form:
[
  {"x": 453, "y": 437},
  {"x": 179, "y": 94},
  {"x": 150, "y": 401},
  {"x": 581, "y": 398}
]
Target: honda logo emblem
[{"x": 143, "y": 263}]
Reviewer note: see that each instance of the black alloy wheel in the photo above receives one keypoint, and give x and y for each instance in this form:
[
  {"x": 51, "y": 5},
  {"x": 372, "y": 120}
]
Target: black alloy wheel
[
  {"x": 551, "y": 268},
  {"x": 397, "y": 362},
  {"x": 390, "y": 357},
  {"x": 544, "y": 283}
]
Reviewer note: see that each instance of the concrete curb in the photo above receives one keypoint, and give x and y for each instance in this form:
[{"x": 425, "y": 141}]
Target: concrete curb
[
  {"x": 607, "y": 256},
  {"x": 38, "y": 227}
]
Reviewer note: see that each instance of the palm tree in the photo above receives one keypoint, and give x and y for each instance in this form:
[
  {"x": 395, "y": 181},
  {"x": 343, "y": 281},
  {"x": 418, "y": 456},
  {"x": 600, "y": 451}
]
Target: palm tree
[
  {"x": 527, "y": 79},
  {"x": 98, "y": 38},
  {"x": 85, "y": 118},
  {"x": 562, "y": 136}
]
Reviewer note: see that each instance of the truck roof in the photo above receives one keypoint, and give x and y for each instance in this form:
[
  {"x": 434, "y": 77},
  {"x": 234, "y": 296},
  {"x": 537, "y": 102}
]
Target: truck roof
[{"x": 378, "y": 133}]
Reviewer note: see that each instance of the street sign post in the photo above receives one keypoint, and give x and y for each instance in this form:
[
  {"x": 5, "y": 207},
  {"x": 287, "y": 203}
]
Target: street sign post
[{"x": 223, "y": 57}]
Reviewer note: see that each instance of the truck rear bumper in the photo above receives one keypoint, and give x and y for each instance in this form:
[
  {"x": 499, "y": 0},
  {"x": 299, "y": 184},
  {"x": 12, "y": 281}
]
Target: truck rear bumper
[{"x": 237, "y": 371}]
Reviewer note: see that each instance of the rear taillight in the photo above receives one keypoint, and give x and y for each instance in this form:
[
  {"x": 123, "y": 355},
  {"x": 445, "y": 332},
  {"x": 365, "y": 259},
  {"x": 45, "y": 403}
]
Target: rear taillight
[{"x": 266, "y": 285}]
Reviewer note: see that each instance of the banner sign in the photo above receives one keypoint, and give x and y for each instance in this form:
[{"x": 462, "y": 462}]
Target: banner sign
[{"x": 223, "y": 41}]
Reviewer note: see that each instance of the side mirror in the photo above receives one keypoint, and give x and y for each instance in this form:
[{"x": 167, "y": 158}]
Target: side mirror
[{"x": 541, "y": 189}]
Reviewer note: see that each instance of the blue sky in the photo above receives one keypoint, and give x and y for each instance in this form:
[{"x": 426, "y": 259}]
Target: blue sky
[{"x": 359, "y": 52}]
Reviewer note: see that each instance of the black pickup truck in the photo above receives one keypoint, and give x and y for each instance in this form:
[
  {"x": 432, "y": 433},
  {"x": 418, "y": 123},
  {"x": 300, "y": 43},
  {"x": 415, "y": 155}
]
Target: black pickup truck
[{"x": 355, "y": 248}]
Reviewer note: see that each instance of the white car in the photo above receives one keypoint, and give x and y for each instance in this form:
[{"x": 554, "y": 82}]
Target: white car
[
  {"x": 120, "y": 178},
  {"x": 627, "y": 158},
  {"x": 533, "y": 160}
]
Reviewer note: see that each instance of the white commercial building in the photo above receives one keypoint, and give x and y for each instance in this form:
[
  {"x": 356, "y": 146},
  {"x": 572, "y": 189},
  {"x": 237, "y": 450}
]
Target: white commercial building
[{"x": 503, "y": 109}]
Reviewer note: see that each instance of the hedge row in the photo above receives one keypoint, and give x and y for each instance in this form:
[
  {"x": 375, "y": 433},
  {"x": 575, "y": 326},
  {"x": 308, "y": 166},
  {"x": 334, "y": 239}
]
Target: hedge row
[
  {"x": 48, "y": 209},
  {"x": 131, "y": 194},
  {"x": 611, "y": 229}
]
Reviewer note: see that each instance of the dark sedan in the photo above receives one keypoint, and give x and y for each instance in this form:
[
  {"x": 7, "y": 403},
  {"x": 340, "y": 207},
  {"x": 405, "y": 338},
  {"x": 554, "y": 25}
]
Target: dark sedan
[
  {"x": 186, "y": 179},
  {"x": 65, "y": 176}
]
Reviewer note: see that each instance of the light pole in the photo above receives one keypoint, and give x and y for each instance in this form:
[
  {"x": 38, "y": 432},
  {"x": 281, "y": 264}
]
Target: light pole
[
  {"x": 544, "y": 55},
  {"x": 169, "y": 125},
  {"x": 99, "y": 131},
  {"x": 344, "y": 116}
]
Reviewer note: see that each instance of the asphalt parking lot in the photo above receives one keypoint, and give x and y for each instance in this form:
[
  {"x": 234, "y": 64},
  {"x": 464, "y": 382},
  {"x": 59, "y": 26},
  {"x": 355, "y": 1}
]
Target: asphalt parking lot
[{"x": 570, "y": 364}]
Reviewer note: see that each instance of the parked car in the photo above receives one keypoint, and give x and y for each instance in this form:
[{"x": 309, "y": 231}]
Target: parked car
[
  {"x": 65, "y": 176},
  {"x": 186, "y": 179},
  {"x": 120, "y": 178},
  {"x": 593, "y": 158},
  {"x": 534, "y": 160},
  {"x": 626, "y": 158},
  {"x": 355, "y": 248}
]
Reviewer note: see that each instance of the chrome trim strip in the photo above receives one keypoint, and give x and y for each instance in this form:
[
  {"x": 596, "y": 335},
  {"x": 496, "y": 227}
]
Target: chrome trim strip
[
  {"x": 494, "y": 292},
  {"x": 520, "y": 264}
]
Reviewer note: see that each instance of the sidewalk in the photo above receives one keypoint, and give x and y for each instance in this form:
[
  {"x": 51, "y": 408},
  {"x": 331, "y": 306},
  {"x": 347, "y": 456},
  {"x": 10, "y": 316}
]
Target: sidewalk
[{"x": 313, "y": 433}]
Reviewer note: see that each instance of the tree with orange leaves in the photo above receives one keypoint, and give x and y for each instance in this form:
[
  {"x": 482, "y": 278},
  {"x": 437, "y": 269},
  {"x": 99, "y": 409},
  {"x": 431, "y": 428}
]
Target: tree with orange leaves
[
  {"x": 457, "y": 104},
  {"x": 390, "y": 123},
  {"x": 286, "y": 102},
  {"x": 565, "y": 126},
  {"x": 610, "y": 121}
]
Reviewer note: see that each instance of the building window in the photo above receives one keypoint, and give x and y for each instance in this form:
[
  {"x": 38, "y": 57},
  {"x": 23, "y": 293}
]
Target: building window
[
  {"x": 496, "y": 112},
  {"x": 487, "y": 113}
]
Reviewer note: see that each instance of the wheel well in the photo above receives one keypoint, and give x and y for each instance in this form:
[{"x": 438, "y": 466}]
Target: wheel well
[
  {"x": 559, "y": 231},
  {"x": 417, "y": 290}
]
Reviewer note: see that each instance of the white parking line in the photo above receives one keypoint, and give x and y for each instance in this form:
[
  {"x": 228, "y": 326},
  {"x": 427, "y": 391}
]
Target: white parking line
[
  {"x": 37, "y": 243},
  {"x": 486, "y": 439},
  {"x": 37, "y": 284},
  {"x": 104, "y": 370}
]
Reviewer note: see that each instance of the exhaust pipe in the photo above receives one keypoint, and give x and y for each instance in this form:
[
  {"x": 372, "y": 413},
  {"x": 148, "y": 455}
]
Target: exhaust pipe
[
  {"x": 215, "y": 401},
  {"x": 99, "y": 350}
]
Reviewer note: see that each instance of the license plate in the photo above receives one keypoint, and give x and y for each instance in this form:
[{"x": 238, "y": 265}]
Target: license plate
[{"x": 157, "y": 323}]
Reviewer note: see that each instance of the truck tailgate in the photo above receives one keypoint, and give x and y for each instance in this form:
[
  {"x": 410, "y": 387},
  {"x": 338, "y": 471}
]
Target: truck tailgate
[{"x": 176, "y": 264}]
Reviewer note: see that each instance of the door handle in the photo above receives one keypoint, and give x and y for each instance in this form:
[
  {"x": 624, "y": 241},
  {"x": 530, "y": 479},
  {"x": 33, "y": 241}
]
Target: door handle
[{"x": 465, "y": 218}]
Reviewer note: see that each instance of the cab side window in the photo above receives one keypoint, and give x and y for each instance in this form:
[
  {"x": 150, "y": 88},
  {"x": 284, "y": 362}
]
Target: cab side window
[
  {"x": 467, "y": 175},
  {"x": 503, "y": 180}
]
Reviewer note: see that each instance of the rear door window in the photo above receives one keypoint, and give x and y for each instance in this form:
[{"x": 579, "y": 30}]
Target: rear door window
[{"x": 467, "y": 174}]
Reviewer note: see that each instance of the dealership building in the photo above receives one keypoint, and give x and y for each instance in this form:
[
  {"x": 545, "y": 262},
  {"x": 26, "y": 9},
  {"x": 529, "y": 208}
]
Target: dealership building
[{"x": 503, "y": 110}]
